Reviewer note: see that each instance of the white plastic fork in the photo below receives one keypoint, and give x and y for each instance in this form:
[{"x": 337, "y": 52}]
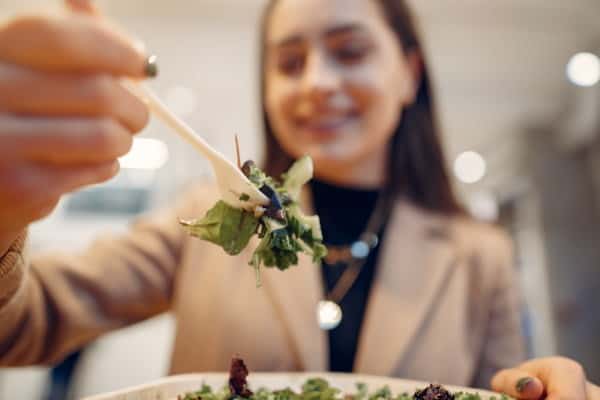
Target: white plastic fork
[{"x": 233, "y": 184}]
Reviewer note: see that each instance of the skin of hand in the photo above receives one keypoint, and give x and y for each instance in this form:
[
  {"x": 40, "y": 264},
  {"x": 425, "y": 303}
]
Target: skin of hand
[
  {"x": 64, "y": 116},
  {"x": 556, "y": 378}
]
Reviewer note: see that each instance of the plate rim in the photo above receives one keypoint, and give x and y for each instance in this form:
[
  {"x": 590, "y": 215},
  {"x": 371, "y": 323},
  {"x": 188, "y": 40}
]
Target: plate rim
[{"x": 330, "y": 376}]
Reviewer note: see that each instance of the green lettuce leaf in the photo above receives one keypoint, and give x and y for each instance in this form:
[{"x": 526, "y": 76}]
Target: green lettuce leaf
[{"x": 226, "y": 226}]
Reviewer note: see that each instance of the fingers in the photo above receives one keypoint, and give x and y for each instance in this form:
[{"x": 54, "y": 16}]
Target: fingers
[
  {"x": 63, "y": 141},
  {"x": 65, "y": 117},
  {"x": 71, "y": 44},
  {"x": 69, "y": 179},
  {"x": 561, "y": 379},
  {"x": 518, "y": 384},
  {"x": 43, "y": 93},
  {"x": 31, "y": 191},
  {"x": 35, "y": 183},
  {"x": 566, "y": 380}
]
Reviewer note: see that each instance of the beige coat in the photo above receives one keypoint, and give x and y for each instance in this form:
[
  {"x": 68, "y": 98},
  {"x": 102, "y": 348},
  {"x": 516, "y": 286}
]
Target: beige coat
[{"x": 443, "y": 306}]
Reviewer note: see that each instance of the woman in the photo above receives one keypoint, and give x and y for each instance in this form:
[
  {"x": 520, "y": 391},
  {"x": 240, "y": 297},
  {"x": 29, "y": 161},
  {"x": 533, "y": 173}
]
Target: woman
[{"x": 347, "y": 85}]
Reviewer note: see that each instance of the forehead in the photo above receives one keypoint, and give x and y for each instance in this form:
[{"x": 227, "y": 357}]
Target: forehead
[{"x": 313, "y": 17}]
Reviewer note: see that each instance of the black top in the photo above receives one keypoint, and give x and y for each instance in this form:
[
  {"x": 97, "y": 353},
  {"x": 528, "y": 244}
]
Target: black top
[{"x": 344, "y": 215}]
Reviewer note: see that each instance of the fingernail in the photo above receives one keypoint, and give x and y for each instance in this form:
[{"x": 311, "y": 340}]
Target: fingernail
[
  {"x": 151, "y": 67},
  {"x": 523, "y": 383}
]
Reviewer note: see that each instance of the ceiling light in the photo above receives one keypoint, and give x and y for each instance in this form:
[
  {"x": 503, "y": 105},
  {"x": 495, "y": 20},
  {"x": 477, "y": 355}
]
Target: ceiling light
[
  {"x": 470, "y": 167},
  {"x": 583, "y": 69}
]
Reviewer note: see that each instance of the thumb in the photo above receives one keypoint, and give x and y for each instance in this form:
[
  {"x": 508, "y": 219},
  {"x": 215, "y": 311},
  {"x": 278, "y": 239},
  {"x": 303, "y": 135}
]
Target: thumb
[
  {"x": 83, "y": 7},
  {"x": 518, "y": 384},
  {"x": 88, "y": 8}
]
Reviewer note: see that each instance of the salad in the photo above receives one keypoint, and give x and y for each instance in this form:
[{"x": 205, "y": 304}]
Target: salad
[
  {"x": 318, "y": 389},
  {"x": 281, "y": 225}
]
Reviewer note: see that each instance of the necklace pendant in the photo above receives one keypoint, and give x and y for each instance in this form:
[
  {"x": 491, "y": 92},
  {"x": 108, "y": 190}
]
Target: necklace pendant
[{"x": 329, "y": 314}]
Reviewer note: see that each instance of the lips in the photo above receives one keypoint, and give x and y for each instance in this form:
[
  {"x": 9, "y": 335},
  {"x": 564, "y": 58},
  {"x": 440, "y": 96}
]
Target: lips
[{"x": 325, "y": 127}]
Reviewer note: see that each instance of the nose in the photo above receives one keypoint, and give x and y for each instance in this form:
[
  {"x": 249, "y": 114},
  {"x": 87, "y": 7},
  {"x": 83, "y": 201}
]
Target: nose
[{"x": 320, "y": 77}]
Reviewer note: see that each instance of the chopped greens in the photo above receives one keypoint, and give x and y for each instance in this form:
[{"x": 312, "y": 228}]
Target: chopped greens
[
  {"x": 319, "y": 389},
  {"x": 281, "y": 225},
  {"x": 206, "y": 393}
]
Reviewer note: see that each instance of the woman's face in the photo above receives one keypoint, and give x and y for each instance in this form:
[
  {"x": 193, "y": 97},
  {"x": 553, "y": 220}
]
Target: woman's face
[{"x": 336, "y": 81}]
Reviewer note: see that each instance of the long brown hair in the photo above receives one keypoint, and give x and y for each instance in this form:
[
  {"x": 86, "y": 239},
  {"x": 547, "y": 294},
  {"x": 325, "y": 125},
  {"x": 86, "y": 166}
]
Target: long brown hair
[{"x": 416, "y": 165}]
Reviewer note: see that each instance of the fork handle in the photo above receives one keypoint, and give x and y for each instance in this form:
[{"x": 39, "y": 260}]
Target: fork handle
[{"x": 161, "y": 111}]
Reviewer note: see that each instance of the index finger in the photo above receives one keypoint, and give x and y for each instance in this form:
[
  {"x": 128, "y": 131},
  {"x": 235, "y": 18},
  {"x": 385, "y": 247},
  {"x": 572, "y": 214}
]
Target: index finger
[
  {"x": 518, "y": 384},
  {"x": 561, "y": 378},
  {"x": 76, "y": 43}
]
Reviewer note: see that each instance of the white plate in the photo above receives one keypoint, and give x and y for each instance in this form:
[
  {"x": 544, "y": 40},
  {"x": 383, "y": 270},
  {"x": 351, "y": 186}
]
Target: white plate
[{"x": 169, "y": 388}]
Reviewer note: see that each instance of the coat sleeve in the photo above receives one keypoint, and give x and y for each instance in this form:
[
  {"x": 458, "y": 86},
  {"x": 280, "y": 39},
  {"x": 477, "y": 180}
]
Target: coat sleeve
[
  {"x": 504, "y": 344},
  {"x": 53, "y": 304}
]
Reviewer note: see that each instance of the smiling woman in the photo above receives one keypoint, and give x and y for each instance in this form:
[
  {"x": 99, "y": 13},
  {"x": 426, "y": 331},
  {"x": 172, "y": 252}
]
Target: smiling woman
[
  {"x": 340, "y": 85},
  {"x": 349, "y": 86},
  {"x": 423, "y": 291},
  {"x": 335, "y": 83}
]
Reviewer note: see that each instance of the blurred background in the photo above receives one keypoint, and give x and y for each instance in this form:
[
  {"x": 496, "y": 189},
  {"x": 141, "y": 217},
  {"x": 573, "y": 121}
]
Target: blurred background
[{"x": 519, "y": 96}]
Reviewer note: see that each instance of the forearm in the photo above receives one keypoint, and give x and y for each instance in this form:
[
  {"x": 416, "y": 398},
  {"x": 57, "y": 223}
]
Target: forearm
[{"x": 56, "y": 303}]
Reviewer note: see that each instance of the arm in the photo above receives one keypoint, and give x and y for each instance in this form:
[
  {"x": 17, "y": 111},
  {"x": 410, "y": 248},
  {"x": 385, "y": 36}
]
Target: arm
[
  {"x": 57, "y": 303},
  {"x": 65, "y": 119}
]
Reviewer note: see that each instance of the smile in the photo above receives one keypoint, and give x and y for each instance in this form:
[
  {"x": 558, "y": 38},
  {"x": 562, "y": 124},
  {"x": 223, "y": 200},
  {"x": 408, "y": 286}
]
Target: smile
[{"x": 326, "y": 128}]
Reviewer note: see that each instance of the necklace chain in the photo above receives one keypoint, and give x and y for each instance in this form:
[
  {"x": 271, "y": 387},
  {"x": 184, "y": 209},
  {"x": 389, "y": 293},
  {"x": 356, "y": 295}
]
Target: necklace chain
[{"x": 354, "y": 256}]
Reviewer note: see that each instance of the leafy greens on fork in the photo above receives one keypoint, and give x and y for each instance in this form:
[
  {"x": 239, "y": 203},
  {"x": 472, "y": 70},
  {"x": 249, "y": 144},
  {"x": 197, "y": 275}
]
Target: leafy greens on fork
[{"x": 281, "y": 225}]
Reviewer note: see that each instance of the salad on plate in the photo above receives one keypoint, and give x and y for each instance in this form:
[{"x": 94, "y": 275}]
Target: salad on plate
[{"x": 320, "y": 389}]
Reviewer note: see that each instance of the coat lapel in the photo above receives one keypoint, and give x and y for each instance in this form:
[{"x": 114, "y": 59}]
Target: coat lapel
[
  {"x": 415, "y": 262},
  {"x": 296, "y": 294}
]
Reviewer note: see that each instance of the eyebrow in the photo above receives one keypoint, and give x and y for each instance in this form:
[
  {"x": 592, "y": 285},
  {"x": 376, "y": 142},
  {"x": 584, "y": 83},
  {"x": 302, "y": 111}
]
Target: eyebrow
[
  {"x": 337, "y": 30},
  {"x": 346, "y": 28}
]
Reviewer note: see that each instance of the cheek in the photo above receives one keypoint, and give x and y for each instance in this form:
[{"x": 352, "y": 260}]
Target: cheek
[
  {"x": 380, "y": 102},
  {"x": 278, "y": 97},
  {"x": 279, "y": 102}
]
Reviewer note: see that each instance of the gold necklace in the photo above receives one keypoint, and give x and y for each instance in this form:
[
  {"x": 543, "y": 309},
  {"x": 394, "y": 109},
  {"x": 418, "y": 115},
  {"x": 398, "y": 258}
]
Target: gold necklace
[{"x": 329, "y": 312}]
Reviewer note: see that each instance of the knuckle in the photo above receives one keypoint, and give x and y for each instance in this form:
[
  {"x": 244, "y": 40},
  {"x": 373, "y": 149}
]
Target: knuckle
[
  {"x": 103, "y": 94},
  {"x": 108, "y": 171},
  {"x": 569, "y": 364},
  {"x": 45, "y": 208},
  {"x": 103, "y": 173},
  {"x": 108, "y": 139},
  {"x": 143, "y": 118},
  {"x": 26, "y": 23},
  {"x": 576, "y": 367},
  {"x": 31, "y": 26}
]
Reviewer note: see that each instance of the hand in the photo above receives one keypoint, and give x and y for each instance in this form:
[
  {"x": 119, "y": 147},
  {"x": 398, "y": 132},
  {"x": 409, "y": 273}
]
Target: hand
[
  {"x": 555, "y": 377},
  {"x": 64, "y": 117}
]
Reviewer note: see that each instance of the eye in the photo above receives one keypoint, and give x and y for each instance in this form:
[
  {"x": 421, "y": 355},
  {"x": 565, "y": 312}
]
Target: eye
[
  {"x": 351, "y": 53},
  {"x": 290, "y": 63}
]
